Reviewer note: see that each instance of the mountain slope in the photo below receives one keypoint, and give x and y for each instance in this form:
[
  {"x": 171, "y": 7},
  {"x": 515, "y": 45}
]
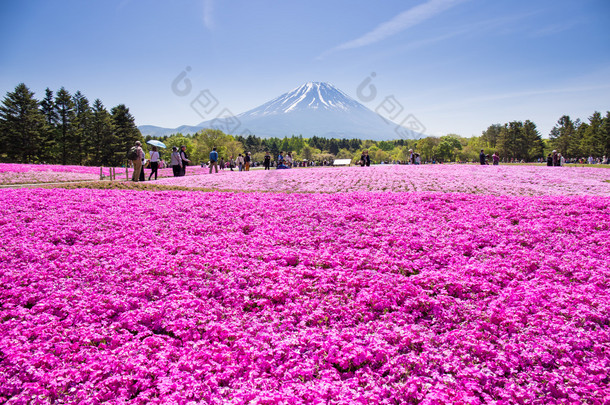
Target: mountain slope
[{"x": 312, "y": 109}]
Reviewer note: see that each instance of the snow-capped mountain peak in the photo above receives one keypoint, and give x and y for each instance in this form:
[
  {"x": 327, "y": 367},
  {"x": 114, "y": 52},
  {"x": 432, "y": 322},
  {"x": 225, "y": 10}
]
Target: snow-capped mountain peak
[
  {"x": 312, "y": 109},
  {"x": 311, "y": 95}
]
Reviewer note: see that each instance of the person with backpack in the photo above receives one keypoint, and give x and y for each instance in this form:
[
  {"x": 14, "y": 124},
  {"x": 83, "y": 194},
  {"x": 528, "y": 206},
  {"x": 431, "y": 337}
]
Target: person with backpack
[
  {"x": 136, "y": 154},
  {"x": 185, "y": 160},
  {"x": 247, "y": 160},
  {"x": 213, "y": 160},
  {"x": 176, "y": 162}
]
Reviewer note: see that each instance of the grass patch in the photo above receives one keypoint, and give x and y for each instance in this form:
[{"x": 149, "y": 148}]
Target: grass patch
[{"x": 125, "y": 185}]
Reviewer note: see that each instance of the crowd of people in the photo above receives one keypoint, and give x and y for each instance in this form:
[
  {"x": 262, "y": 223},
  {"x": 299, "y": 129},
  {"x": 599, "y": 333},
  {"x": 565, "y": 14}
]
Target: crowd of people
[{"x": 179, "y": 160}]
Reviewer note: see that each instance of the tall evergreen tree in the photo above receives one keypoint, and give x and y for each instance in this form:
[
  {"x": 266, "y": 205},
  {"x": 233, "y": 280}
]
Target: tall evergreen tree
[
  {"x": 606, "y": 134},
  {"x": 533, "y": 145},
  {"x": 125, "y": 131},
  {"x": 561, "y": 135},
  {"x": 21, "y": 125},
  {"x": 82, "y": 146},
  {"x": 102, "y": 136},
  {"x": 593, "y": 137},
  {"x": 49, "y": 138},
  {"x": 65, "y": 111}
]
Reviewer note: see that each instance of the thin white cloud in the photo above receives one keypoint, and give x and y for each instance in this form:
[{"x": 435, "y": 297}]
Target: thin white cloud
[
  {"x": 208, "y": 14},
  {"x": 401, "y": 22}
]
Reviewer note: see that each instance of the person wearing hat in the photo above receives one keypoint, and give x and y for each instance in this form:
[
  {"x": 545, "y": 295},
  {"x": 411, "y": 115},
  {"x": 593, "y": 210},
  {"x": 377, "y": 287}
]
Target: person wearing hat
[
  {"x": 176, "y": 162},
  {"x": 137, "y": 162}
]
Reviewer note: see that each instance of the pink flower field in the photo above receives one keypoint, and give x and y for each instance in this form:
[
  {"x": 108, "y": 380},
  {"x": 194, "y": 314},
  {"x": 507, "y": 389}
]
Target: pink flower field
[
  {"x": 367, "y": 297},
  {"x": 496, "y": 180},
  {"x": 13, "y": 173}
]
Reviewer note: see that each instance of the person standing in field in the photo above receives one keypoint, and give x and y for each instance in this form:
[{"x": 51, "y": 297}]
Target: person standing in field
[
  {"x": 267, "y": 161},
  {"x": 137, "y": 161},
  {"x": 365, "y": 159},
  {"x": 496, "y": 159},
  {"x": 221, "y": 163},
  {"x": 482, "y": 157},
  {"x": 176, "y": 162},
  {"x": 247, "y": 161},
  {"x": 213, "y": 160},
  {"x": 154, "y": 162},
  {"x": 185, "y": 160},
  {"x": 240, "y": 162}
]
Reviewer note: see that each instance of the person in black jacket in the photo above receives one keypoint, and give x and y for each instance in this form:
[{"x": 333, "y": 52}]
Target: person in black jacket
[
  {"x": 267, "y": 161},
  {"x": 365, "y": 159},
  {"x": 185, "y": 160},
  {"x": 482, "y": 157}
]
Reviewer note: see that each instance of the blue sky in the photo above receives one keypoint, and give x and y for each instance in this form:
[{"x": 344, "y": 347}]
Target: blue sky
[{"x": 458, "y": 66}]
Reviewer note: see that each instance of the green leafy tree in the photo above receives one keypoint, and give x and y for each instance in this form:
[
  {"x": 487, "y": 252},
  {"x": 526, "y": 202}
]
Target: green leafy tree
[
  {"x": 22, "y": 125},
  {"x": 426, "y": 147},
  {"x": 448, "y": 147},
  {"x": 233, "y": 148},
  {"x": 491, "y": 134}
]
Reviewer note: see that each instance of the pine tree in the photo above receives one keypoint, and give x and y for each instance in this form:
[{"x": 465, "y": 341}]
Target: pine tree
[
  {"x": 606, "y": 134},
  {"x": 101, "y": 138},
  {"x": 532, "y": 141},
  {"x": 593, "y": 137},
  {"x": 49, "y": 138},
  {"x": 21, "y": 125},
  {"x": 65, "y": 111},
  {"x": 125, "y": 133},
  {"x": 562, "y": 134},
  {"x": 82, "y": 143}
]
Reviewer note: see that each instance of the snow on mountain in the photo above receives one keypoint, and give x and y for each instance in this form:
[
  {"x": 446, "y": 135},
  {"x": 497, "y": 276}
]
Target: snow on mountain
[{"x": 312, "y": 109}]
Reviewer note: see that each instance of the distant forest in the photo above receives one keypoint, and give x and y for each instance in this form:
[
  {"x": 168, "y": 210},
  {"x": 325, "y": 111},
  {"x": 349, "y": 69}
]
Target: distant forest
[{"x": 66, "y": 129}]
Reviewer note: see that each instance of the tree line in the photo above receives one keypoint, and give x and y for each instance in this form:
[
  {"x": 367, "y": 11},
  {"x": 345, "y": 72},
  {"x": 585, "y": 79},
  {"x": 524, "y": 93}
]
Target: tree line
[
  {"x": 513, "y": 141},
  {"x": 64, "y": 129}
]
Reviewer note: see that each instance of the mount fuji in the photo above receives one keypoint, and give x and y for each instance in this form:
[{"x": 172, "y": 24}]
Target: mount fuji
[{"x": 312, "y": 109}]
